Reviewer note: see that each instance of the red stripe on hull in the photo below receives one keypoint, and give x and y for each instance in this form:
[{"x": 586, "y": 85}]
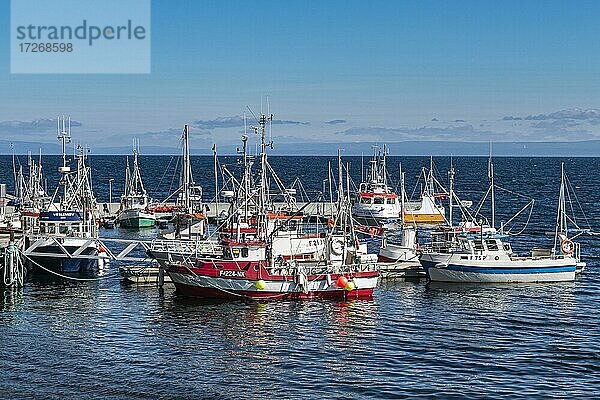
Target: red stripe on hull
[{"x": 212, "y": 293}]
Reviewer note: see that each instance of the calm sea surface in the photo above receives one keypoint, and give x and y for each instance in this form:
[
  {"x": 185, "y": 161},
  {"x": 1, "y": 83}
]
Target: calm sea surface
[{"x": 106, "y": 340}]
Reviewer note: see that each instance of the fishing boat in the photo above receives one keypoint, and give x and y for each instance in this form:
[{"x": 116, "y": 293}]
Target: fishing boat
[
  {"x": 66, "y": 239},
  {"x": 266, "y": 255},
  {"x": 481, "y": 256},
  {"x": 375, "y": 202},
  {"x": 35, "y": 198},
  {"x": 427, "y": 210},
  {"x": 188, "y": 236},
  {"x": 399, "y": 251},
  {"x": 134, "y": 213}
]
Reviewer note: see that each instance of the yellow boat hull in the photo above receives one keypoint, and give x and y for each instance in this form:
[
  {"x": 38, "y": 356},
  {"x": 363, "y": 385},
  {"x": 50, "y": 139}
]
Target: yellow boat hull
[{"x": 424, "y": 218}]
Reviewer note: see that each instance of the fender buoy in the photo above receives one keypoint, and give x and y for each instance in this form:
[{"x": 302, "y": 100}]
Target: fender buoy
[
  {"x": 260, "y": 284},
  {"x": 341, "y": 282},
  {"x": 567, "y": 246}
]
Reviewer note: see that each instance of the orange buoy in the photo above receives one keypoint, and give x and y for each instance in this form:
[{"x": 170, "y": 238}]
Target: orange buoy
[{"x": 341, "y": 282}]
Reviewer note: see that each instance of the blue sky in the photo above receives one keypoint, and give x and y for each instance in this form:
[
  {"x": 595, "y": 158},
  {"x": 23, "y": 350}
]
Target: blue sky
[{"x": 381, "y": 71}]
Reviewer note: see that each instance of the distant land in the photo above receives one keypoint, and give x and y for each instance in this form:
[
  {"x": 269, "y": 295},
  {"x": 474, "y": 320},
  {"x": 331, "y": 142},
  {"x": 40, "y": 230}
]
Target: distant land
[{"x": 589, "y": 148}]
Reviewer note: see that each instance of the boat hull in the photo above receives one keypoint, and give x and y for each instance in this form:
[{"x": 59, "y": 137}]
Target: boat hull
[
  {"x": 135, "y": 219},
  {"x": 538, "y": 272},
  {"x": 423, "y": 218},
  {"x": 277, "y": 288},
  {"x": 63, "y": 264}
]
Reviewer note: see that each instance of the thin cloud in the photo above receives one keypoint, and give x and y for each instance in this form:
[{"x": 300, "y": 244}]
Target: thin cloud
[
  {"x": 468, "y": 133},
  {"x": 579, "y": 114},
  {"x": 511, "y": 118},
  {"x": 33, "y": 127},
  {"x": 237, "y": 121}
]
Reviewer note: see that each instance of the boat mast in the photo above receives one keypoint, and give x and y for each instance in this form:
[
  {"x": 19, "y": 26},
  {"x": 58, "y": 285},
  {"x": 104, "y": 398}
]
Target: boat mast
[
  {"x": 561, "y": 215},
  {"x": 330, "y": 178},
  {"x": 384, "y": 166},
  {"x": 341, "y": 209},
  {"x": 431, "y": 188},
  {"x": 264, "y": 184},
  {"x": 127, "y": 177},
  {"x": 246, "y": 177},
  {"x": 186, "y": 170},
  {"x": 491, "y": 178},
  {"x": 351, "y": 223},
  {"x": 402, "y": 194},
  {"x": 64, "y": 135},
  {"x": 451, "y": 180},
  {"x": 215, "y": 160}
]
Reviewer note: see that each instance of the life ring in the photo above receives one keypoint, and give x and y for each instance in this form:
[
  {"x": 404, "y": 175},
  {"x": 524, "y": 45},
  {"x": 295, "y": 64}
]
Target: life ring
[
  {"x": 337, "y": 246},
  {"x": 567, "y": 246}
]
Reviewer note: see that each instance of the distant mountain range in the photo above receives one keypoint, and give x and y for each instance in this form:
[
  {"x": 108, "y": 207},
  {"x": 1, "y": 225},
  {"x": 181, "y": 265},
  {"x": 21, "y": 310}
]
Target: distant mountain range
[{"x": 590, "y": 148}]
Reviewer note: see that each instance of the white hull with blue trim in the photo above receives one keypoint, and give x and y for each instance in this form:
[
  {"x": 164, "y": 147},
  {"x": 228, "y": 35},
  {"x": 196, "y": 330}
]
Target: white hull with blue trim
[{"x": 515, "y": 270}]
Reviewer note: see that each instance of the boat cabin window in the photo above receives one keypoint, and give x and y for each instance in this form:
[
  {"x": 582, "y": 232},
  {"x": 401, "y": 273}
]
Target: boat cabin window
[
  {"x": 279, "y": 225},
  {"x": 365, "y": 200},
  {"x": 293, "y": 225},
  {"x": 63, "y": 229},
  {"x": 50, "y": 229},
  {"x": 478, "y": 245},
  {"x": 391, "y": 201},
  {"x": 244, "y": 252},
  {"x": 492, "y": 245},
  {"x": 378, "y": 200},
  {"x": 236, "y": 253}
]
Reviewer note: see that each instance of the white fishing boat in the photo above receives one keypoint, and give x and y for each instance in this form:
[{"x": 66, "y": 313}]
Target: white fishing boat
[
  {"x": 399, "y": 251},
  {"x": 375, "y": 202},
  {"x": 134, "y": 213},
  {"x": 481, "y": 256},
  {"x": 67, "y": 226}
]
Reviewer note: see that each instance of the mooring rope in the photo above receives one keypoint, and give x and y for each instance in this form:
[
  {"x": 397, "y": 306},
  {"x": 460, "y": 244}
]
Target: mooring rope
[
  {"x": 13, "y": 275},
  {"x": 65, "y": 276}
]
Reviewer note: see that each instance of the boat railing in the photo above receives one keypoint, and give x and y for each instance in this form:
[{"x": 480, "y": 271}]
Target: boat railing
[
  {"x": 577, "y": 251},
  {"x": 320, "y": 268},
  {"x": 185, "y": 246}
]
